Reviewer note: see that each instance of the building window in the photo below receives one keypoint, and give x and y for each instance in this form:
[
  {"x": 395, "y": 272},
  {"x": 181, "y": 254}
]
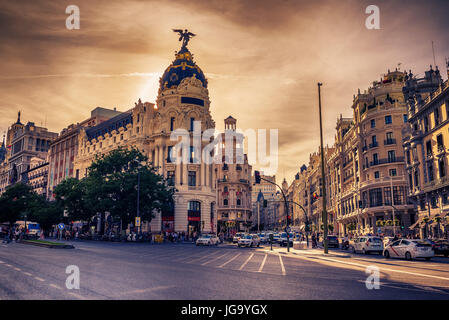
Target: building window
[
  {"x": 393, "y": 173},
  {"x": 440, "y": 143},
  {"x": 429, "y": 148},
  {"x": 388, "y": 120},
  {"x": 373, "y": 123},
  {"x": 192, "y": 178},
  {"x": 387, "y": 196},
  {"x": 225, "y": 202},
  {"x": 405, "y": 117},
  {"x": 375, "y": 159},
  {"x": 172, "y": 123},
  {"x": 430, "y": 169},
  {"x": 375, "y": 197},
  {"x": 391, "y": 156},
  {"x": 169, "y": 154},
  {"x": 171, "y": 178},
  {"x": 376, "y": 175},
  {"x": 239, "y": 202},
  {"x": 192, "y": 121},
  {"x": 426, "y": 124},
  {"x": 121, "y": 136},
  {"x": 442, "y": 168},
  {"x": 436, "y": 115}
]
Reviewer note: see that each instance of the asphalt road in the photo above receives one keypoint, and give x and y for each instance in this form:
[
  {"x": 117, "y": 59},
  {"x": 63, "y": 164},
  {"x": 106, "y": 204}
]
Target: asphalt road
[{"x": 184, "y": 271}]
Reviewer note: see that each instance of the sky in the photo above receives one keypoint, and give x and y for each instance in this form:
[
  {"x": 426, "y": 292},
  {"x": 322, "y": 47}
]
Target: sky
[{"x": 263, "y": 59}]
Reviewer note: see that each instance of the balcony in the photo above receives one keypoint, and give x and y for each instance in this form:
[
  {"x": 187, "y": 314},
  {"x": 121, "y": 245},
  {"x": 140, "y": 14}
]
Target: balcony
[
  {"x": 373, "y": 145},
  {"x": 386, "y": 160},
  {"x": 389, "y": 142},
  {"x": 364, "y": 148}
]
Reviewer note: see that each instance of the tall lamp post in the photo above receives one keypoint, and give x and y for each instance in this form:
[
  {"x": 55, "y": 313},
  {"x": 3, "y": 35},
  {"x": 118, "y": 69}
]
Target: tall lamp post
[{"x": 323, "y": 176}]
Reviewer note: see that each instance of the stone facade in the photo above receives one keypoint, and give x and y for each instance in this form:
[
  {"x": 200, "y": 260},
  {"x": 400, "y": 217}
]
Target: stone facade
[{"x": 425, "y": 141}]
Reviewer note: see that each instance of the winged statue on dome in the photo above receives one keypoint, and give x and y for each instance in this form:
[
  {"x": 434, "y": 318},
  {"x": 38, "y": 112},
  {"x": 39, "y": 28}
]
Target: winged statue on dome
[{"x": 184, "y": 36}]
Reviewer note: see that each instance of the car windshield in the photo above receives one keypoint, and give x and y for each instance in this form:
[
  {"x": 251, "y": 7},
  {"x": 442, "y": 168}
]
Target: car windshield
[
  {"x": 248, "y": 237},
  {"x": 206, "y": 236},
  {"x": 377, "y": 240}
]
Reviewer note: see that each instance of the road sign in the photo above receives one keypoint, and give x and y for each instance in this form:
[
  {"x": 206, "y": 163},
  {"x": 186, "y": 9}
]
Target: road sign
[
  {"x": 137, "y": 221},
  {"x": 61, "y": 226}
]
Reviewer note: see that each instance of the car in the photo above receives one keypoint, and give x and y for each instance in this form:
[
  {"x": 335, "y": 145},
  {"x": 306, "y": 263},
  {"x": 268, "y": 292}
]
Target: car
[
  {"x": 276, "y": 237},
  {"x": 250, "y": 240},
  {"x": 387, "y": 241},
  {"x": 367, "y": 244},
  {"x": 409, "y": 249},
  {"x": 237, "y": 237},
  {"x": 441, "y": 247},
  {"x": 263, "y": 237},
  {"x": 207, "y": 240},
  {"x": 283, "y": 239},
  {"x": 332, "y": 241}
]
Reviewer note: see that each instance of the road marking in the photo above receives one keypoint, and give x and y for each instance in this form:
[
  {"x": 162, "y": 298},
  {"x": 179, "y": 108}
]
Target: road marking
[
  {"x": 221, "y": 266},
  {"x": 77, "y": 295},
  {"x": 282, "y": 265},
  {"x": 263, "y": 263},
  {"x": 28, "y": 274},
  {"x": 386, "y": 269},
  {"x": 414, "y": 288},
  {"x": 8, "y": 265},
  {"x": 40, "y": 279},
  {"x": 214, "y": 259},
  {"x": 55, "y": 286},
  {"x": 1, "y": 262},
  {"x": 147, "y": 290},
  {"x": 17, "y": 269},
  {"x": 247, "y": 260},
  {"x": 203, "y": 256}
]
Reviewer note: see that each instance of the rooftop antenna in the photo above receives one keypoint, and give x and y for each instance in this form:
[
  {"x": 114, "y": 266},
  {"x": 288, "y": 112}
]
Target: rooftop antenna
[{"x": 433, "y": 52}]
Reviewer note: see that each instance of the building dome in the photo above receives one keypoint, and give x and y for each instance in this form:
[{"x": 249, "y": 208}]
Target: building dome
[{"x": 183, "y": 67}]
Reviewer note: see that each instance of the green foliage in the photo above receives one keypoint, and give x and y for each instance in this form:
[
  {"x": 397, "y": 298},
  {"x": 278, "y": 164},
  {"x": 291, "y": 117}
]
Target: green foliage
[
  {"x": 71, "y": 195},
  {"x": 17, "y": 201}
]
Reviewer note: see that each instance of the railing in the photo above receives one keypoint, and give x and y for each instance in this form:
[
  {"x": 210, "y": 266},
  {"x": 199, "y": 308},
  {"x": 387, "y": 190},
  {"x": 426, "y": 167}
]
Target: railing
[
  {"x": 384, "y": 161},
  {"x": 373, "y": 145},
  {"x": 389, "y": 142}
]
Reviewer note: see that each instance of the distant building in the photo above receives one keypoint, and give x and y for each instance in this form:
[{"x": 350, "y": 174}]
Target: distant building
[
  {"x": 64, "y": 149},
  {"x": 268, "y": 190},
  {"x": 37, "y": 175},
  {"x": 233, "y": 182}
]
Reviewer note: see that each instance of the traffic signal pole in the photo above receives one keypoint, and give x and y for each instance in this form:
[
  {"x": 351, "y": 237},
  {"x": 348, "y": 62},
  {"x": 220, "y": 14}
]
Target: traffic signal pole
[
  {"x": 257, "y": 180},
  {"x": 323, "y": 174}
]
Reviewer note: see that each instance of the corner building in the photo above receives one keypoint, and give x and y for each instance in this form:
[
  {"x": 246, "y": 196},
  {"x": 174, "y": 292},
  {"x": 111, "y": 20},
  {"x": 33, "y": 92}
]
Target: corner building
[{"x": 182, "y": 102}]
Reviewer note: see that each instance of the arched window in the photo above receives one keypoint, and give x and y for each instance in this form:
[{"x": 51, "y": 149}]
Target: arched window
[
  {"x": 225, "y": 189},
  {"x": 225, "y": 202}
]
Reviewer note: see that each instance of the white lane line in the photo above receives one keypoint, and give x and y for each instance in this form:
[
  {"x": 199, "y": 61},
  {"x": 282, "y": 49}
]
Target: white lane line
[
  {"x": 247, "y": 260},
  {"x": 386, "y": 269},
  {"x": 147, "y": 290},
  {"x": 282, "y": 265},
  {"x": 77, "y": 295},
  {"x": 235, "y": 257},
  {"x": 8, "y": 265},
  {"x": 197, "y": 259},
  {"x": 263, "y": 263},
  {"x": 40, "y": 279},
  {"x": 55, "y": 286},
  {"x": 17, "y": 269},
  {"x": 28, "y": 274},
  {"x": 1, "y": 262},
  {"x": 214, "y": 259}
]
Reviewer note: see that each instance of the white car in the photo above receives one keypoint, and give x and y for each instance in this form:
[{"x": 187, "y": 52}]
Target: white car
[
  {"x": 250, "y": 240},
  {"x": 368, "y": 244},
  {"x": 237, "y": 237},
  {"x": 207, "y": 240},
  {"x": 409, "y": 249}
]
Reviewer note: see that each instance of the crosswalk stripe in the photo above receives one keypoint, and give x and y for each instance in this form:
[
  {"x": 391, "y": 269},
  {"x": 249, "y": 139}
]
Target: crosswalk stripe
[
  {"x": 203, "y": 264},
  {"x": 282, "y": 265},
  {"x": 247, "y": 260},
  {"x": 235, "y": 257},
  {"x": 263, "y": 263}
]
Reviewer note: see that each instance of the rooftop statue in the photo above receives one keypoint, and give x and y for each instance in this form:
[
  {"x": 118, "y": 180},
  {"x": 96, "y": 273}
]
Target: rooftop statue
[{"x": 184, "y": 36}]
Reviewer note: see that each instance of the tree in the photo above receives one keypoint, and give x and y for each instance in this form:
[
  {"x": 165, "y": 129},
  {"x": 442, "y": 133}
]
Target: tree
[
  {"x": 111, "y": 186},
  {"x": 17, "y": 201},
  {"x": 71, "y": 195},
  {"x": 46, "y": 213}
]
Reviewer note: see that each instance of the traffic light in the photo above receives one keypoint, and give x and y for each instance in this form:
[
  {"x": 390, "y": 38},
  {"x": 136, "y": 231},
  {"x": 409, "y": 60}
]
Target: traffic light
[
  {"x": 307, "y": 227},
  {"x": 289, "y": 220},
  {"x": 257, "y": 177},
  {"x": 265, "y": 203}
]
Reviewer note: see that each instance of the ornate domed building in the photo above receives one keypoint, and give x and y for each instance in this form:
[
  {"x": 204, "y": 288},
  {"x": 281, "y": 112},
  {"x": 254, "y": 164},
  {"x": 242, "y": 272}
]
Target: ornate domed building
[{"x": 182, "y": 105}]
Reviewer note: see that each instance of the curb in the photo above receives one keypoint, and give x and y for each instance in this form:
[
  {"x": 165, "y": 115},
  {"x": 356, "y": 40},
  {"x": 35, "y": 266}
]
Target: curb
[
  {"x": 45, "y": 245},
  {"x": 309, "y": 254}
]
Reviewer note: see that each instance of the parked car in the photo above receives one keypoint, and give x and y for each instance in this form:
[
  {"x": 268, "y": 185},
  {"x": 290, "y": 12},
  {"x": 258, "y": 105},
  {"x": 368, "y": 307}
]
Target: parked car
[
  {"x": 367, "y": 244},
  {"x": 276, "y": 237},
  {"x": 237, "y": 237},
  {"x": 263, "y": 237},
  {"x": 332, "y": 242},
  {"x": 207, "y": 240},
  {"x": 409, "y": 249},
  {"x": 250, "y": 240},
  {"x": 283, "y": 239},
  {"x": 441, "y": 247}
]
